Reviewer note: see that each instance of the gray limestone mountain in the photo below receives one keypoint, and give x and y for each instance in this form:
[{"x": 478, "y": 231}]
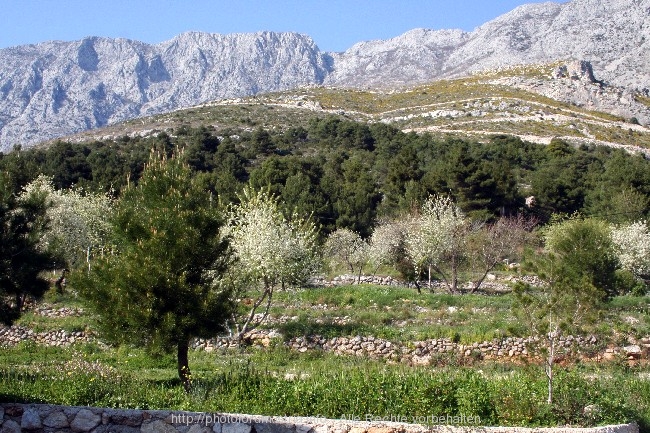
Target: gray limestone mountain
[{"x": 57, "y": 88}]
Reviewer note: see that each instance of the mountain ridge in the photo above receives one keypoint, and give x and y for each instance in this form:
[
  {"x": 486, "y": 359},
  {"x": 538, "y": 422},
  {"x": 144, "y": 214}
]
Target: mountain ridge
[{"x": 56, "y": 88}]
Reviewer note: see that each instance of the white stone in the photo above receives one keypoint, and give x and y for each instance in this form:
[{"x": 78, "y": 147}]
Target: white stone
[
  {"x": 84, "y": 421},
  {"x": 198, "y": 428},
  {"x": 157, "y": 426},
  {"x": 236, "y": 427}
]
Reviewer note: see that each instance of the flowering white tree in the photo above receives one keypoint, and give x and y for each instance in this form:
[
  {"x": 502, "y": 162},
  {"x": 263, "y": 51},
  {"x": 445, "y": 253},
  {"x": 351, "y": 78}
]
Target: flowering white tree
[
  {"x": 437, "y": 235},
  {"x": 632, "y": 247},
  {"x": 346, "y": 248},
  {"x": 386, "y": 244},
  {"x": 271, "y": 250},
  {"x": 78, "y": 221}
]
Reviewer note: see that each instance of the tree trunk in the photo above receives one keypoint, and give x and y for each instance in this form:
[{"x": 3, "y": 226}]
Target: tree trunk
[
  {"x": 454, "y": 274},
  {"x": 549, "y": 366},
  {"x": 184, "y": 373},
  {"x": 549, "y": 376}
]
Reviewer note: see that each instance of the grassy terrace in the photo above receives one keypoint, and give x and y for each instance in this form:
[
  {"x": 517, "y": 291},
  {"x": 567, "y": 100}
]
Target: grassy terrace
[
  {"x": 504, "y": 109},
  {"x": 278, "y": 381}
]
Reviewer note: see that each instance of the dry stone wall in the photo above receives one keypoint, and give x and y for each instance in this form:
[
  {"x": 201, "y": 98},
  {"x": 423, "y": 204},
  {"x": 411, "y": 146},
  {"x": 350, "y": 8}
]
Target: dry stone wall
[
  {"x": 426, "y": 352},
  {"x": 37, "y": 418},
  {"x": 413, "y": 353}
]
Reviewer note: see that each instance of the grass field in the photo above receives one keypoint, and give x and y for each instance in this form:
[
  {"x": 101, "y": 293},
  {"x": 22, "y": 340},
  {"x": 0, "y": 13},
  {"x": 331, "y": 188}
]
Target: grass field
[{"x": 279, "y": 381}]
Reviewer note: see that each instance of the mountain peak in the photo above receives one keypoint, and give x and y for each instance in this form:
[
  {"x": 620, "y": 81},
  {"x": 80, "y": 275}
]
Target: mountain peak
[{"x": 56, "y": 88}]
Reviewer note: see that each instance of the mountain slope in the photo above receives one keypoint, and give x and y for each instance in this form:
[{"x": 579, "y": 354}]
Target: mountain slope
[
  {"x": 614, "y": 35},
  {"x": 57, "y": 88}
]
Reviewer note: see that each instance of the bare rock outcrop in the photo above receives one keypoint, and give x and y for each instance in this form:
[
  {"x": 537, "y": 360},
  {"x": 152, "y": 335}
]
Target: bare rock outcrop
[{"x": 57, "y": 88}]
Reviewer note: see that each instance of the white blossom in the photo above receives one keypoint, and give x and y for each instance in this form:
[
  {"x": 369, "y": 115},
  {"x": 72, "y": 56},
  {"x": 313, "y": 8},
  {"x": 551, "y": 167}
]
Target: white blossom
[
  {"x": 386, "y": 243},
  {"x": 632, "y": 247},
  {"x": 270, "y": 250},
  {"x": 436, "y": 231},
  {"x": 77, "y": 221},
  {"x": 269, "y": 247},
  {"x": 345, "y": 247}
]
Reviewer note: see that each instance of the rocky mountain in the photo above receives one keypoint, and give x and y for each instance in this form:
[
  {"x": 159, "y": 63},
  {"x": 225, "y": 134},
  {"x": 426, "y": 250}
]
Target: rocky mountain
[
  {"x": 613, "y": 35},
  {"x": 56, "y": 88}
]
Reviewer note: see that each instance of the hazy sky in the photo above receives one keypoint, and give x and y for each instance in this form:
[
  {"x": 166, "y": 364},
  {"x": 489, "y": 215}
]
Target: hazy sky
[{"x": 335, "y": 25}]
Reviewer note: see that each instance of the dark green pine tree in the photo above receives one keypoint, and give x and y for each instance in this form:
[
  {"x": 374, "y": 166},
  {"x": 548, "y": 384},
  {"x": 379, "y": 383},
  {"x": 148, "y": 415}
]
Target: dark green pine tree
[
  {"x": 158, "y": 290},
  {"x": 358, "y": 198},
  {"x": 22, "y": 222}
]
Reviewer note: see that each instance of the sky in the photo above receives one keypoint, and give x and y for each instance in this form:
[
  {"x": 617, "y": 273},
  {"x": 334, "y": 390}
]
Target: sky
[{"x": 334, "y": 25}]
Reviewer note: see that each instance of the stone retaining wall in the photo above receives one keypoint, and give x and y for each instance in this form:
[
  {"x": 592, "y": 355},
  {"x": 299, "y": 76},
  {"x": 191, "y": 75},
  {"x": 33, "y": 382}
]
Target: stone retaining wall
[
  {"x": 490, "y": 283},
  {"x": 12, "y": 335},
  {"x": 37, "y": 418},
  {"x": 425, "y": 352},
  {"x": 414, "y": 353}
]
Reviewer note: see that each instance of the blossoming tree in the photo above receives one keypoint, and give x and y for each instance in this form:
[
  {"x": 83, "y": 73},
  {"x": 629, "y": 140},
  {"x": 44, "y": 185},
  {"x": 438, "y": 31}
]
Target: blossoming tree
[
  {"x": 346, "y": 248},
  {"x": 271, "y": 251},
  {"x": 78, "y": 222},
  {"x": 437, "y": 236},
  {"x": 632, "y": 247}
]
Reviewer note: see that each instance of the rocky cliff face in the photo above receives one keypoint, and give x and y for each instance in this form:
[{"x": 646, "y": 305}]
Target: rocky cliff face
[
  {"x": 56, "y": 88},
  {"x": 613, "y": 35}
]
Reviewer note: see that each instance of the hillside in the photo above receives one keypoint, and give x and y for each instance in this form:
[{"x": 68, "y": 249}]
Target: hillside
[
  {"x": 536, "y": 103},
  {"x": 54, "y": 89}
]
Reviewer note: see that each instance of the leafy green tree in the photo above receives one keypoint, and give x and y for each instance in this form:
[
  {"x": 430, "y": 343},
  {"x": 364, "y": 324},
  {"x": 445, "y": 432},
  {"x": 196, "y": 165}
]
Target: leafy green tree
[
  {"x": 563, "y": 304},
  {"x": 22, "y": 221},
  {"x": 561, "y": 183},
  {"x": 159, "y": 289},
  {"x": 621, "y": 190},
  {"x": 67, "y": 164},
  {"x": 403, "y": 171},
  {"x": 262, "y": 142},
  {"x": 358, "y": 197},
  {"x": 586, "y": 250},
  {"x": 483, "y": 188}
]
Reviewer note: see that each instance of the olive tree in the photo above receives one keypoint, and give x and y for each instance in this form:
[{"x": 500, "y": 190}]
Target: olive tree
[{"x": 271, "y": 251}]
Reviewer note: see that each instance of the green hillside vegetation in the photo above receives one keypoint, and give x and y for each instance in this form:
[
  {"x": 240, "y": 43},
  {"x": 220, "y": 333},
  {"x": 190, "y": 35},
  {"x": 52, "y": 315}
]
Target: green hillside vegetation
[
  {"x": 349, "y": 174},
  {"x": 140, "y": 261},
  {"x": 474, "y": 107}
]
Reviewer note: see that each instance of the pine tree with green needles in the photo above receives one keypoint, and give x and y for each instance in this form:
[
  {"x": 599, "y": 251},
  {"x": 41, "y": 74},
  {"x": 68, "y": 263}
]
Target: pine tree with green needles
[{"x": 159, "y": 289}]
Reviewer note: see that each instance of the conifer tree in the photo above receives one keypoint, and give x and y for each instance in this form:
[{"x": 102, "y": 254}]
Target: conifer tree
[
  {"x": 159, "y": 289},
  {"x": 22, "y": 221}
]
